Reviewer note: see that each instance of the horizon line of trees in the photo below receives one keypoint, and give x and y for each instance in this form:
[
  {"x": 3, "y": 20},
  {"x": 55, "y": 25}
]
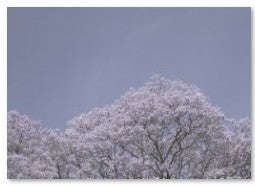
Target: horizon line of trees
[{"x": 163, "y": 130}]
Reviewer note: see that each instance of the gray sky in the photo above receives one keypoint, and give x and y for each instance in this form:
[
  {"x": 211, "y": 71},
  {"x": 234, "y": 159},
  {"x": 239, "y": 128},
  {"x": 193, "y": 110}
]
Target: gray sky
[{"x": 65, "y": 61}]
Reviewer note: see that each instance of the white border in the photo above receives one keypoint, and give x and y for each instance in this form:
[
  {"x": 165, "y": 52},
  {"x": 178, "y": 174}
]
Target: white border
[
  {"x": 97, "y": 3},
  {"x": 129, "y": 3}
]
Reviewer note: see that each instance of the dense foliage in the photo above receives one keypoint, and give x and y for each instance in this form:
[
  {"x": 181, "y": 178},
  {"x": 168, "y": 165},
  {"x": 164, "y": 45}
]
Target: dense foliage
[{"x": 165, "y": 129}]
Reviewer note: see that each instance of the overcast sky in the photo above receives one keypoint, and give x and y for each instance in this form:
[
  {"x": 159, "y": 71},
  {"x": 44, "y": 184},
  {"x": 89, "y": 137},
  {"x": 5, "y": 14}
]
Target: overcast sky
[{"x": 65, "y": 61}]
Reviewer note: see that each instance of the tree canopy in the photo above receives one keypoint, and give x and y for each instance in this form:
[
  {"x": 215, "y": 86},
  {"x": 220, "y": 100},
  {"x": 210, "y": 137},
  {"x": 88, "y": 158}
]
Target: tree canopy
[{"x": 165, "y": 129}]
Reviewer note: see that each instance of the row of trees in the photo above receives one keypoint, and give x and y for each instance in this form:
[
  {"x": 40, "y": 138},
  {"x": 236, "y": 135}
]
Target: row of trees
[{"x": 165, "y": 129}]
